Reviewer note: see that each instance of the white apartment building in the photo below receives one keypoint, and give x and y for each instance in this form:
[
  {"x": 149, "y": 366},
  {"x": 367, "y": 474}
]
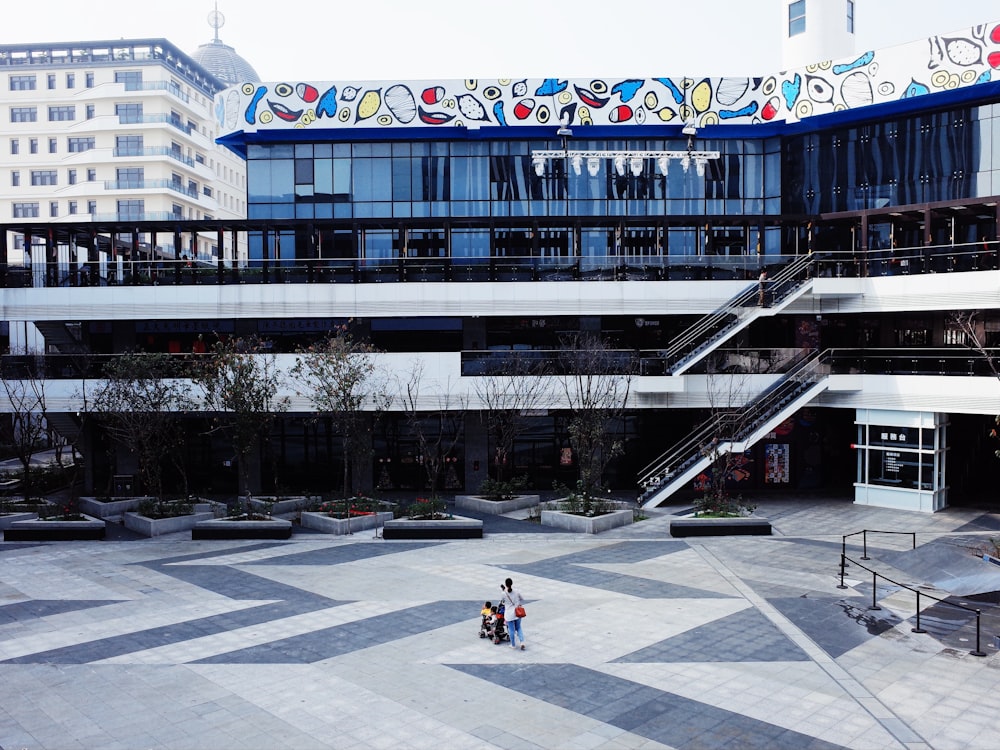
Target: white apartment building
[{"x": 117, "y": 131}]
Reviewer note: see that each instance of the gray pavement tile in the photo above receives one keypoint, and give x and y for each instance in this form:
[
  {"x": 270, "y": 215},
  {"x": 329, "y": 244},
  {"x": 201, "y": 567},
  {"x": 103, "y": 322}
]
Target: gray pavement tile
[
  {"x": 836, "y": 625},
  {"x": 744, "y": 636},
  {"x": 35, "y": 608},
  {"x": 347, "y": 553},
  {"x": 655, "y": 714},
  {"x": 327, "y": 643}
]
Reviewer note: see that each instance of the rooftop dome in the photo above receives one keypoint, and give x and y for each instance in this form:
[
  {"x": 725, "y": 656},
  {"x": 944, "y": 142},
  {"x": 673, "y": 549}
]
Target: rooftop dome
[{"x": 220, "y": 59}]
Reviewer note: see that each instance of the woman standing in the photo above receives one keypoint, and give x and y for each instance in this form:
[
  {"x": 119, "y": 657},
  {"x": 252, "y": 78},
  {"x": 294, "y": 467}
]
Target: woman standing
[{"x": 512, "y": 599}]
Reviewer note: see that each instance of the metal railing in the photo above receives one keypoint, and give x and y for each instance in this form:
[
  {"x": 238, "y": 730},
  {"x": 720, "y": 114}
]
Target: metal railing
[
  {"x": 722, "y": 323},
  {"x": 723, "y": 429},
  {"x": 876, "y": 575}
]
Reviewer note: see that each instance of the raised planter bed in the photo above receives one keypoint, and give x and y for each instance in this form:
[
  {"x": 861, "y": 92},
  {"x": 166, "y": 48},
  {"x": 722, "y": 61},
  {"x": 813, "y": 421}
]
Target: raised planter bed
[
  {"x": 720, "y": 527},
  {"x": 587, "y": 524},
  {"x": 329, "y": 525},
  {"x": 455, "y": 527},
  {"x": 156, "y": 526},
  {"x": 225, "y": 528},
  {"x": 279, "y": 506},
  {"x": 7, "y": 519},
  {"x": 37, "y": 530},
  {"x": 111, "y": 507},
  {"x": 480, "y": 504}
]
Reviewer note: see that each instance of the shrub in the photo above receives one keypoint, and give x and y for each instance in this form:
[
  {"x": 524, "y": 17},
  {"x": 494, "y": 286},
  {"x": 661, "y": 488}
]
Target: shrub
[
  {"x": 583, "y": 501},
  {"x": 499, "y": 490}
]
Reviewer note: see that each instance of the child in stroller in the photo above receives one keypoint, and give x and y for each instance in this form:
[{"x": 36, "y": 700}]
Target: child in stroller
[{"x": 493, "y": 623}]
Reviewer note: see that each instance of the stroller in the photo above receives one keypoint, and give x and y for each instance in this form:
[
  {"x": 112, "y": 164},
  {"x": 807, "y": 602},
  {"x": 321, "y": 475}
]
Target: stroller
[{"x": 493, "y": 626}]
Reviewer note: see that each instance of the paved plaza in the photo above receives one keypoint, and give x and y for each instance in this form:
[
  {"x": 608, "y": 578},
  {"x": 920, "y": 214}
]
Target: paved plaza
[{"x": 634, "y": 639}]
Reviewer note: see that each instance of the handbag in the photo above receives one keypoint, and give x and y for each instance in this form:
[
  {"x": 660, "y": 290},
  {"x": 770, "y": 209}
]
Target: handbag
[{"x": 519, "y": 611}]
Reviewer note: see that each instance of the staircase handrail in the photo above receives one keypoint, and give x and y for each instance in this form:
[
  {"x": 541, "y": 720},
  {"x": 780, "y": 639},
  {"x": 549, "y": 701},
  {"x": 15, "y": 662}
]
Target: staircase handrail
[
  {"x": 705, "y": 326},
  {"x": 742, "y": 422}
]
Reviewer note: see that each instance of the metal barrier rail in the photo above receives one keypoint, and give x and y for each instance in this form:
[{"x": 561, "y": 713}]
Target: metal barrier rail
[{"x": 874, "y": 606}]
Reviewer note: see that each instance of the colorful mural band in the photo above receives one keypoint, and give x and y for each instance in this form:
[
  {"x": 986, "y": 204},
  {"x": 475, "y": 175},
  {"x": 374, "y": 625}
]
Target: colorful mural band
[{"x": 939, "y": 63}]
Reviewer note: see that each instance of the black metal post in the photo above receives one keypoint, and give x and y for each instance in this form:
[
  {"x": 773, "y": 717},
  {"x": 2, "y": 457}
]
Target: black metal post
[
  {"x": 864, "y": 538},
  {"x": 978, "y": 651},
  {"x": 842, "y": 564},
  {"x": 874, "y": 590},
  {"x": 918, "y": 629}
]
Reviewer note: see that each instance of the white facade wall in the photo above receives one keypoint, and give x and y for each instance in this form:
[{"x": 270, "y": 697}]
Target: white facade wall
[{"x": 826, "y": 35}]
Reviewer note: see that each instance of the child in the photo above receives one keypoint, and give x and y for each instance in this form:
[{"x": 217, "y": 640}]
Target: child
[{"x": 485, "y": 629}]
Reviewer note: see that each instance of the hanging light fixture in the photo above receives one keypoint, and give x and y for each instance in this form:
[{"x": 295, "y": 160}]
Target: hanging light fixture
[
  {"x": 539, "y": 166},
  {"x": 635, "y": 164},
  {"x": 663, "y": 162},
  {"x": 577, "y": 162},
  {"x": 620, "y": 165},
  {"x": 593, "y": 166}
]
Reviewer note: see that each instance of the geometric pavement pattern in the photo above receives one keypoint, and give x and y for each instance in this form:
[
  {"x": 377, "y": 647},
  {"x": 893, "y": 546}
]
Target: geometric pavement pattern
[{"x": 318, "y": 642}]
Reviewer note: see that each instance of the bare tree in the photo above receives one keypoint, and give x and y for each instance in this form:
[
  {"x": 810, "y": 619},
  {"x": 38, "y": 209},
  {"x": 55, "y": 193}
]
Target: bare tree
[
  {"x": 728, "y": 419},
  {"x": 24, "y": 385},
  {"x": 139, "y": 402},
  {"x": 340, "y": 378},
  {"x": 509, "y": 390},
  {"x": 437, "y": 429},
  {"x": 967, "y": 321},
  {"x": 240, "y": 380},
  {"x": 596, "y": 382}
]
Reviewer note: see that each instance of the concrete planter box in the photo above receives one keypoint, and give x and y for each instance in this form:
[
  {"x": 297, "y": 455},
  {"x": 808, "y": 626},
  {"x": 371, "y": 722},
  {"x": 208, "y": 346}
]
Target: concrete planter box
[
  {"x": 480, "y": 504},
  {"x": 720, "y": 527},
  {"x": 8, "y": 518},
  {"x": 326, "y": 524},
  {"x": 587, "y": 524},
  {"x": 223, "y": 528},
  {"x": 112, "y": 507},
  {"x": 279, "y": 506},
  {"x": 37, "y": 530},
  {"x": 455, "y": 527},
  {"x": 156, "y": 526}
]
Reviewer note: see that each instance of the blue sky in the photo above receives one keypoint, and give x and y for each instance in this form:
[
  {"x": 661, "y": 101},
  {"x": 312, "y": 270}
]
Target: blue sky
[{"x": 379, "y": 39}]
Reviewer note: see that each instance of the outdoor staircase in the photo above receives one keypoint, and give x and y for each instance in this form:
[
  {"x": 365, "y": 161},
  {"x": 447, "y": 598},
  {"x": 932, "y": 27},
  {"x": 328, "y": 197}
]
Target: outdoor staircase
[
  {"x": 64, "y": 337},
  {"x": 66, "y": 424},
  {"x": 733, "y": 431},
  {"x": 707, "y": 334}
]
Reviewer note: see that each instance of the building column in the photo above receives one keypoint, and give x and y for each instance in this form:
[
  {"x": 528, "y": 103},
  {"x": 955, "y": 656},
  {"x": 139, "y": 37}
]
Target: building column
[{"x": 477, "y": 457}]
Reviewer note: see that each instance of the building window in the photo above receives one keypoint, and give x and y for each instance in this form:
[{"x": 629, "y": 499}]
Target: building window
[
  {"x": 850, "y": 16},
  {"x": 129, "y": 113},
  {"x": 62, "y": 113},
  {"x": 954, "y": 337},
  {"x": 22, "y": 83},
  {"x": 90, "y": 111},
  {"x": 71, "y": 176},
  {"x": 796, "y": 17},
  {"x": 70, "y": 80},
  {"x": 92, "y": 207},
  {"x": 53, "y": 208},
  {"x": 25, "y": 210},
  {"x": 91, "y": 174},
  {"x": 23, "y": 114},
  {"x": 72, "y": 207},
  {"x": 52, "y": 81},
  {"x": 76, "y": 144},
  {"x": 177, "y": 211},
  {"x": 130, "y": 178},
  {"x": 15, "y": 178},
  {"x": 128, "y": 145},
  {"x": 33, "y": 145},
  {"x": 53, "y": 145},
  {"x": 130, "y": 210},
  {"x": 89, "y": 80},
  {"x": 131, "y": 78},
  {"x": 15, "y": 146},
  {"x": 44, "y": 177}
]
